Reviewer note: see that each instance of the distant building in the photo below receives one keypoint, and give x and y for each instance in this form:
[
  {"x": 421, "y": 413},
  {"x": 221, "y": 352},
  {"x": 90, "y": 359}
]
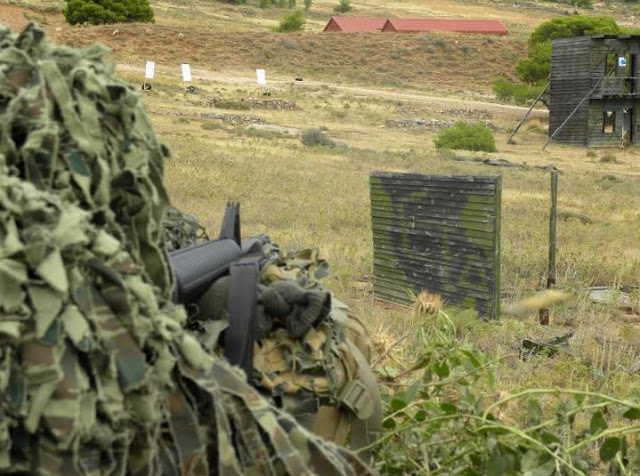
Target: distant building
[
  {"x": 595, "y": 91},
  {"x": 355, "y": 24},
  {"x": 422, "y": 25}
]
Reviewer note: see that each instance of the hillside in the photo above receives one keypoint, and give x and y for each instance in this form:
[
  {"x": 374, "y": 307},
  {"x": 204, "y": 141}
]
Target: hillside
[{"x": 222, "y": 38}]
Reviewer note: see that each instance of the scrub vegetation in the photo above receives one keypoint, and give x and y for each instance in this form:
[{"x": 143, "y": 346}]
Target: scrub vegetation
[{"x": 449, "y": 374}]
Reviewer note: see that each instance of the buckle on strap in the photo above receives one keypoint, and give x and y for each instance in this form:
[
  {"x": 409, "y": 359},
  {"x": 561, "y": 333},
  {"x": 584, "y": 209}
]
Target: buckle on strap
[{"x": 356, "y": 398}]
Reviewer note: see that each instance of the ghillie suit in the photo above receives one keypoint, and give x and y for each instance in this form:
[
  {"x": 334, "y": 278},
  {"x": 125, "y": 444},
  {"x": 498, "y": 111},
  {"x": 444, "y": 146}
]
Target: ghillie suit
[
  {"x": 97, "y": 374},
  {"x": 310, "y": 355}
]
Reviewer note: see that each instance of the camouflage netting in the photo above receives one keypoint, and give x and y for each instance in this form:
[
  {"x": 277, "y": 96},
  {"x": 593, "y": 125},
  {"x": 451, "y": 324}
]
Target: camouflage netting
[{"x": 97, "y": 375}]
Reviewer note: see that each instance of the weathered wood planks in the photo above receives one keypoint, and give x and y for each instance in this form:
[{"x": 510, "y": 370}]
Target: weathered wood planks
[{"x": 440, "y": 234}]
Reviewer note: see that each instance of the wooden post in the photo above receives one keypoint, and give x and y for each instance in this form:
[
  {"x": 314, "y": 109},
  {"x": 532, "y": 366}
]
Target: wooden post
[{"x": 551, "y": 273}]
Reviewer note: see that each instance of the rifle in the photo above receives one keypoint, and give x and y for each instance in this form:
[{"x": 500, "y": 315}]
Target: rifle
[{"x": 197, "y": 267}]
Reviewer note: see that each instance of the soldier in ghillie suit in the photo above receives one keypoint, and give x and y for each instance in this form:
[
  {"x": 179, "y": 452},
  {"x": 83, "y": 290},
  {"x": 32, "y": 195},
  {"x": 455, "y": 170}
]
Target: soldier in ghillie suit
[{"x": 98, "y": 375}]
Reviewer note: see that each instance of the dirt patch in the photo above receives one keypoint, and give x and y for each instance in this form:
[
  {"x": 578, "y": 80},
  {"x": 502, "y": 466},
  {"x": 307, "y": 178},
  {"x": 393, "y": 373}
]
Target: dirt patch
[{"x": 18, "y": 17}]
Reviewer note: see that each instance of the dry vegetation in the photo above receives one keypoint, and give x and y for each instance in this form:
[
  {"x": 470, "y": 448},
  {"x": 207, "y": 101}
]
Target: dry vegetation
[
  {"x": 303, "y": 196},
  {"x": 319, "y": 196}
]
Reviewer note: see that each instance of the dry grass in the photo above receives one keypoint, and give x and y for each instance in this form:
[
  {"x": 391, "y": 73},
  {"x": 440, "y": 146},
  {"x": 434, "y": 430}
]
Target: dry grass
[{"x": 303, "y": 196}]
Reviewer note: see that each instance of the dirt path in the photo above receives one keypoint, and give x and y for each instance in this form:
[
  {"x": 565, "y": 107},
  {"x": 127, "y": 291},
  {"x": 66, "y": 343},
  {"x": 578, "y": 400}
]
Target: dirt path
[{"x": 503, "y": 110}]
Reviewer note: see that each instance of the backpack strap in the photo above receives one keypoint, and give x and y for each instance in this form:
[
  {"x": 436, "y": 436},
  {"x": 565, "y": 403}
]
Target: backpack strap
[
  {"x": 364, "y": 401},
  {"x": 242, "y": 309}
]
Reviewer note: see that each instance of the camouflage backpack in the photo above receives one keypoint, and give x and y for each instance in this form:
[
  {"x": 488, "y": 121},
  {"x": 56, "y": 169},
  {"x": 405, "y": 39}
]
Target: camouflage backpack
[
  {"x": 98, "y": 375},
  {"x": 310, "y": 354}
]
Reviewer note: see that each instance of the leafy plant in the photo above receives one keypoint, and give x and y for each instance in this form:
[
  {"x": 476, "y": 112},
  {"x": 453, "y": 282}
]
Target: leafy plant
[
  {"x": 294, "y": 21},
  {"x": 235, "y": 105},
  {"x": 507, "y": 90},
  {"x": 313, "y": 137},
  {"x": 537, "y": 65},
  {"x": 534, "y": 69},
  {"x": 609, "y": 158},
  {"x": 343, "y": 7},
  {"x": 98, "y": 12},
  {"x": 442, "y": 423},
  {"x": 467, "y": 136}
]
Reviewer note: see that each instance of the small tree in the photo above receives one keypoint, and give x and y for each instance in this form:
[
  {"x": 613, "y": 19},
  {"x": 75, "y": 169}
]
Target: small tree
[
  {"x": 294, "y": 21},
  {"x": 343, "y": 7},
  {"x": 98, "y": 12},
  {"x": 467, "y": 136},
  {"x": 536, "y": 67}
]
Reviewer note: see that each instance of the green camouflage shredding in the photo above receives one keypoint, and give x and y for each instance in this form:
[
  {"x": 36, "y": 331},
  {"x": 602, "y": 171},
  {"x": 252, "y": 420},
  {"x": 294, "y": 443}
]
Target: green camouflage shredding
[
  {"x": 182, "y": 230},
  {"x": 97, "y": 374}
]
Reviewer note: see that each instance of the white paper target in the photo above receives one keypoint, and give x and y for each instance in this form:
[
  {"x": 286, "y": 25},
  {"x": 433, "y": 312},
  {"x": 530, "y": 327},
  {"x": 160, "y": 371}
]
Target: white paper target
[
  {"x": 262, "y": 77},
  {"x": 149, "y": 70},
  {"x": 186, "y": 72}
]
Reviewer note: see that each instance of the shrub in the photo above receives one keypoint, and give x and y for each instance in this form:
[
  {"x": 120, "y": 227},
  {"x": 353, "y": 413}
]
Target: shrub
[
  {"x": 343, "y": 7},
  {"x": 235, "y": 105},
  {"x": 608, "y": 158},
  {"x": 99, "y": 12},
  {"x": 537, "y": 65},
  {"x": 294, "y": 21},
  {"x": 438, "y": 412},
  {"x": 313, "y": 137},
  {"x": 507, "y": 90},
  {"x": 307, "y": 5},
  {"x": 572, "y": 26},
  {"x": 467, "y": 136},
  {"x": 442, "y": 44}
]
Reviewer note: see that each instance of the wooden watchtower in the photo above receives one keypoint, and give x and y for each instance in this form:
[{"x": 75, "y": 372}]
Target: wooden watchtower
[{"x": 595, "y": 91}]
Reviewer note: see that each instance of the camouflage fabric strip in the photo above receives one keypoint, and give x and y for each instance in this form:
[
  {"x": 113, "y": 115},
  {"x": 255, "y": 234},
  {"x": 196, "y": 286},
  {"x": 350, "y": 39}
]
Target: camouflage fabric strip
[
  {"x": 183, "y": 424},
  {"x": 257, "y": 457},
  {"x": 291, "y": 447}
]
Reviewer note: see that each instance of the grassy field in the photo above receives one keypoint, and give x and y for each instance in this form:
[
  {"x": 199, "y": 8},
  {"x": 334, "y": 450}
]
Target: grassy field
[
  {"x": 305, "y": 196},
  {"x": 318, "y": 196}
]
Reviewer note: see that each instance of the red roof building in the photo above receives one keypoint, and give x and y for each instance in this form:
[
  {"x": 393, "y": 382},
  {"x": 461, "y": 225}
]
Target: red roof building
[
  {"x": 421, "y": 25},
  {"x": 355, "y": 24}
]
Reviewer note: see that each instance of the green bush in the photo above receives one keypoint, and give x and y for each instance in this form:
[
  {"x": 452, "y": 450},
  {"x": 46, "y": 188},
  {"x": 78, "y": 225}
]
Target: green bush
[
  {"x": 313, "y": 137},
  {"x": 467, "y": 136},
  {"x": 507, "y": 90},
  {"x": 294, "y": 21},
  {"x": 235, "y": 105},
  {"x": 572, "y": 26},
  {"x": 535, "y": 68},
  {"x": 343, "y": 7},
  {"x": 99, "y": 12}
]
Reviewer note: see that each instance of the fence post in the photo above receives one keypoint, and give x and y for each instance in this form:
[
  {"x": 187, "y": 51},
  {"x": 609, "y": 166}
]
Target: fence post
[{"x": 551, "y": 273}]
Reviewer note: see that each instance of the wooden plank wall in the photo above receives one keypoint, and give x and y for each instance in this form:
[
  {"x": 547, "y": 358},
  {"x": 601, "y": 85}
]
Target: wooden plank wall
[
  {"x": 440, "y": 234},
  {"x": 577, "y": 66},
  {"x": 570, "y": 83}
]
